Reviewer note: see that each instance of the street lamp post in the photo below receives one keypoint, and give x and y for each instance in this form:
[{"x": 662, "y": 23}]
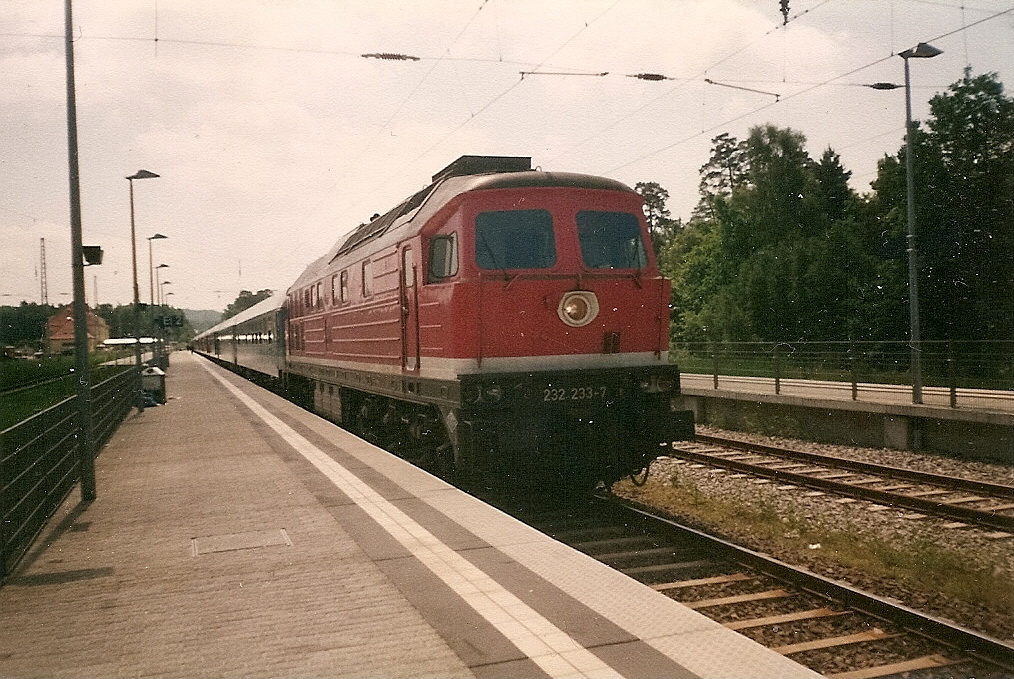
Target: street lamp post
[
  {"x": 151, "y": 279},
  {"x": 140, "y": 174},
  {"x": 162, "y": 292},
  {"x": 158, "y": 286},
  {"x": 920, "y": 51}
]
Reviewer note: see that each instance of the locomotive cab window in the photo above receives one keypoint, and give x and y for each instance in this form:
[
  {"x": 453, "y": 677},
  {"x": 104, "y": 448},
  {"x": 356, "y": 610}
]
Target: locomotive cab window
[
  {"x": 611, "y": 240},
  {"x": 443, "y": 258},
  {"x": 514, "y": 239}
]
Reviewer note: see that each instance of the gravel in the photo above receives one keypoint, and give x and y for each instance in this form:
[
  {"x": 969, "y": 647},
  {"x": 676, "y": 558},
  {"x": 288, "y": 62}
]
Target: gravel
[{"x": 985, "y": 549}]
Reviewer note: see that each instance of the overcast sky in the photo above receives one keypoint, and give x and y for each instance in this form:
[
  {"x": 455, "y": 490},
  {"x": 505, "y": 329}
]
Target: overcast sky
[{"x": 273, "y": 136}]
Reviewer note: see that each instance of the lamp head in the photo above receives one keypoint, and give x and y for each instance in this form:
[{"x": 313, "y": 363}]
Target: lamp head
[
  {"x": 143, "y": 174},
  {"x": 92, "y": 254},
  {"x": 157, "y": 236},
  {"x": 921, "y": 51}
]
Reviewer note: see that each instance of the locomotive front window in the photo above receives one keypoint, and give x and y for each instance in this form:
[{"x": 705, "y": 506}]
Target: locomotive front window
[
  {"x": 611, "y": 240},
  {"x": 514, "y": 239}
]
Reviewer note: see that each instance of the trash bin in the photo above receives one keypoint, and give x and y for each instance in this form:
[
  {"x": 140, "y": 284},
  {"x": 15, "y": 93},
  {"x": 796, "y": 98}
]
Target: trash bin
[{"x": 153, "y": 383}]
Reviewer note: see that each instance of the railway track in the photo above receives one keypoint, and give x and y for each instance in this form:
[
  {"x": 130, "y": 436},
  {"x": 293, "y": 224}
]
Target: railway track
[
  {"x": 830, "y": 627},
  {"x": 985, "y": 505}
]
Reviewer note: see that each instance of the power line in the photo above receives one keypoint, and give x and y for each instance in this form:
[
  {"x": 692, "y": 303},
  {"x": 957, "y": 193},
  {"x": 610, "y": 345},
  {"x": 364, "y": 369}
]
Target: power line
[
  {"x": 683, "y": 82},
  {"x": 502, "y": 94},
  {"x": 799, "y": 93}
]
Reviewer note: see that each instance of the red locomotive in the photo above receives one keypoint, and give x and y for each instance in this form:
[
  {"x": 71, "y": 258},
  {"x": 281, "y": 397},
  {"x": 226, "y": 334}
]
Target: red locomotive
[{"x": 502, "y": 324}]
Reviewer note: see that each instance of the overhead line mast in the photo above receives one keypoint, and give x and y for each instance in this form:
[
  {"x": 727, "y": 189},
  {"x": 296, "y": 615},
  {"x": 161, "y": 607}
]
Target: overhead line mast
[{"x": 42, "y": 272}]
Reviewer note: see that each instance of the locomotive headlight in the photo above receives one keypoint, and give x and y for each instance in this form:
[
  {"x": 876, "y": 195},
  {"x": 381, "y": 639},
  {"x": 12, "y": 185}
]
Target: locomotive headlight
[
  {"x": 578, "y": 308},
  {"x": 656, "y": 384},
  {"x": 471, "y": 393}
]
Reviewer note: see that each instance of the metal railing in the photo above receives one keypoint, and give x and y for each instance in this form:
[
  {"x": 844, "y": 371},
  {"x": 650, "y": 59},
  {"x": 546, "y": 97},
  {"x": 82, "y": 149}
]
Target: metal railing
[
  {"x": 957, "y": 367},
  {"x": 39, "y": 463}
]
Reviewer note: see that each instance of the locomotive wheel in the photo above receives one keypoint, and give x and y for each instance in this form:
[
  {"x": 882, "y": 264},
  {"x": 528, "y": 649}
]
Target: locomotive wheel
[{"x": 371, "y": 421}]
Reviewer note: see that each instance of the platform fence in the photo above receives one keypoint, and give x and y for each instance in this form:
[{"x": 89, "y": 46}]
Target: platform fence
[
  {"x": 956, "y": 366},
  {"x": 39, "y": 463}
]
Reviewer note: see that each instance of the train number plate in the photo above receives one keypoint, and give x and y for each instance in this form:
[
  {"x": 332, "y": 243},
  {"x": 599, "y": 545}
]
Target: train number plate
[{"x": 584, "y": 393}]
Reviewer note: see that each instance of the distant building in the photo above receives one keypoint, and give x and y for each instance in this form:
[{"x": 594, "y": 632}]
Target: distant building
[{"x": 60, "y": 330}]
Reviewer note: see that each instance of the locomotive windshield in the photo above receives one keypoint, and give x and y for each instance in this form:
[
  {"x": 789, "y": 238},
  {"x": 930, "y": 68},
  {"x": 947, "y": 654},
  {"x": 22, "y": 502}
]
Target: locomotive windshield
[
  {"x": 611, "y": 240},
  {"x": 514, "y": 239}
]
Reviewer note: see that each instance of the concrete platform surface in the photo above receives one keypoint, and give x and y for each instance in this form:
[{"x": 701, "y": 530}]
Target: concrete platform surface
[{"x": 235, "y": 534}]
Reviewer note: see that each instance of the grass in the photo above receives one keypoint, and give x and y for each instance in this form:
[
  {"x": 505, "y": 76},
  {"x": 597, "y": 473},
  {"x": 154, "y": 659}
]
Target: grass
[
  {"x": 19, "y": 406},
  {"x": 921, "y": 566},
  {"x": 20, "y": 373}
]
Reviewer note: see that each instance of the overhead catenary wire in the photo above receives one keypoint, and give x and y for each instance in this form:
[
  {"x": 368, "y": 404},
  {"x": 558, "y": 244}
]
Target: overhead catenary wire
[
  {"x": 799, "y": 93},
  {"x": 682, "y": 82},
  {"x": 393, "y": 66},
  {"x": 502, "y": 94}
]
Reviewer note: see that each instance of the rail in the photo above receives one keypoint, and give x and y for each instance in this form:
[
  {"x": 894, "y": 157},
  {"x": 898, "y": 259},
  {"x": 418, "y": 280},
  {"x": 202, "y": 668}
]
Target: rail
[
  {"x": 39, "y": 462},
  {"x": 952, "y": 372}
]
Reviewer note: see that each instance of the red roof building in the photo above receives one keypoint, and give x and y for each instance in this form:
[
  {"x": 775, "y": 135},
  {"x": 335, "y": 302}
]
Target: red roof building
[{"x": 60, "y": 331}]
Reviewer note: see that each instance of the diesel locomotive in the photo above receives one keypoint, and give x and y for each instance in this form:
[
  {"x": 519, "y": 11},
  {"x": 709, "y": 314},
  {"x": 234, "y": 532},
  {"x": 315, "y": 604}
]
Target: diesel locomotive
[{"x": 503, "y": 325}]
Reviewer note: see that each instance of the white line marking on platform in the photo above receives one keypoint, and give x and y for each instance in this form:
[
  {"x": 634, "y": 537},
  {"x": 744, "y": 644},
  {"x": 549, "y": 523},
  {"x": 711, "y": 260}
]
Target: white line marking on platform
[{"x": 548, "y": 646}]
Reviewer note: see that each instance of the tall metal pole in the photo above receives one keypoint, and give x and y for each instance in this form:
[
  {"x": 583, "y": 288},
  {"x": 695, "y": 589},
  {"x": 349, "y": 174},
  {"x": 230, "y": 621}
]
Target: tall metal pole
[
  {"x": 151, "y": 265},
  {"x": 86, "y": 456},
  {"x": 151, "y": 278},
  {"x": 913, "y": 264},
  {"x": 140, "y": 174},
  {"x": 138, "y": 391},
  {"x": 921, "y": 51}
]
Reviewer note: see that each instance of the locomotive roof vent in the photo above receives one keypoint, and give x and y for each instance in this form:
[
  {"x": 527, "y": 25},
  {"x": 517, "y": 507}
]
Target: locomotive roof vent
[{"x": 466, "y": 165}]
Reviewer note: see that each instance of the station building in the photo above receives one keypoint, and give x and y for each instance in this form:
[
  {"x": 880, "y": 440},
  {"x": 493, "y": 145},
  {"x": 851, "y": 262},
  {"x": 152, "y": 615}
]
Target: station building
[{"x": 60, "y": 331}]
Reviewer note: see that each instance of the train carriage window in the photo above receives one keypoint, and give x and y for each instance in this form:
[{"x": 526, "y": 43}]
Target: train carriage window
[
  {"x": 443, "y": 258},
  {"x": 611, "y": 240},
  {"x": 514, "y": 239}
]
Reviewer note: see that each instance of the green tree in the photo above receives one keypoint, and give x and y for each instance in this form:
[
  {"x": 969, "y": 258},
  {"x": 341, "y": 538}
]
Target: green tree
[
  {"x": 24, "y": 325},
  {"x": 661, "y": 226},
  {"x": 784, "y": 251},
  {"x": 726, "y": 170},
  {"x": 121, "y": 321},
  {"x": 835, "y": 196},
  {"x": 245, "y": 300},
  {"x": 689, "y": 261},
  {"x": 964, "y": 180}
]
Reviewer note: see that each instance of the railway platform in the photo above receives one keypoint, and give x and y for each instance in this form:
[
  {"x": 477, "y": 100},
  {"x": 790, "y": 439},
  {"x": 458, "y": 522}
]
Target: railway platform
[
  {"x": 235, "y": 534},
  {"x": 973, "y": 423}
]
